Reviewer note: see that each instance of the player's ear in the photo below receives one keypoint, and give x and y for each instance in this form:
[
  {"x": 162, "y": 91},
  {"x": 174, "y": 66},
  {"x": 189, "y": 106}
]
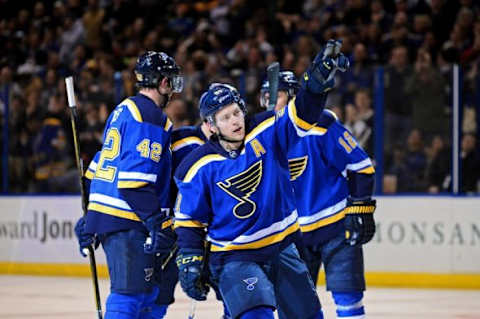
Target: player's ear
[
  {"x": 164, "y": 85},
  {"x": 211, "y": 127}
]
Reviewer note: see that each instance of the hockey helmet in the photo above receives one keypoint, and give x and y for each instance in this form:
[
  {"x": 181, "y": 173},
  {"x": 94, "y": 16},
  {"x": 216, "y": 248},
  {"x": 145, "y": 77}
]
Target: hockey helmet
[
  {"x": 152, "y": 66},
  {"x": 286, "y": 82},
  {"x": 218, "y": 96}
]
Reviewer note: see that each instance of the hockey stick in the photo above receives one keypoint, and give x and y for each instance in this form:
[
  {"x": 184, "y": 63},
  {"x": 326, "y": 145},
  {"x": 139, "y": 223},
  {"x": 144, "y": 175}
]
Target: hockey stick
[
  {"x": 202, "y": 280},
  {"x": 74, "y": 119},
  {"x": 272, "y": 77}
]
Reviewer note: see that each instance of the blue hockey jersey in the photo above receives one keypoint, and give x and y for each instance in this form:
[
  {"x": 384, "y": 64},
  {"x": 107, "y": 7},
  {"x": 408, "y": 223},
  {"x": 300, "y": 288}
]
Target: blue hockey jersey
[
  {"x": 244, "y": 198},
  {"x": 318, "y": 170},
  {"x": 135, "y": 153},
  {"x": 185, "y": 140}
]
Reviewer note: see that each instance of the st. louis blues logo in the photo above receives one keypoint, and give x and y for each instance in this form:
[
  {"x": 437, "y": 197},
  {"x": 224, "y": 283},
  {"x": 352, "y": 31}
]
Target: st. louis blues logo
[
  {"x": 250, "y": 283},
  {"x": 148, "y": 274},
  {"x": 297, "y": 166},
  {"x": 241, "y": 186}
]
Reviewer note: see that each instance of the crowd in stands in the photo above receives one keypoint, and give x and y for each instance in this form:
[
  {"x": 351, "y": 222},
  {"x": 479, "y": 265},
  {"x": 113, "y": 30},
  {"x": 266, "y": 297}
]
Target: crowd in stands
[{"x": 97, "y": 41}]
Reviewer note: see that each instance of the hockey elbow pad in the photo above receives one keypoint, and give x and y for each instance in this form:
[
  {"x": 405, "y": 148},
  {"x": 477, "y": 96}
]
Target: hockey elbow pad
[{"x": 359, "y": 221}]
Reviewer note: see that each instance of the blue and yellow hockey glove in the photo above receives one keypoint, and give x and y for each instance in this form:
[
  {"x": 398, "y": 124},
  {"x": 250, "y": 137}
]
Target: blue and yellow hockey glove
[
  {"x": 190, "y": 265},
  {"x": 359, "y": 222},
  {"x": 85, "y": 240},
  {"x": 161, "y": 235},
  {"x": 319, "y": 77}
]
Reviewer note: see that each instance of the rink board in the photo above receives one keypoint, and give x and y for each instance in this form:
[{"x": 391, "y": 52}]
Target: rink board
[{"x": 420, "y": 241}]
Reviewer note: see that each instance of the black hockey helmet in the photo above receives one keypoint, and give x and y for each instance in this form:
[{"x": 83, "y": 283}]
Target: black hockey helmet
[{"x": 152, "y": 66}]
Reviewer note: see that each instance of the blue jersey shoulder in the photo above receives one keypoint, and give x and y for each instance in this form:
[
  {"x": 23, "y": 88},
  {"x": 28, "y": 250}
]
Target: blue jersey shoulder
[
  {"x": 327, "y": 119},
  {"x": 257, "y": 119},
  {"x": 192, "y": 158},
  {"x": 187, "y": 131},
  {"x": 143, "y": 109}
]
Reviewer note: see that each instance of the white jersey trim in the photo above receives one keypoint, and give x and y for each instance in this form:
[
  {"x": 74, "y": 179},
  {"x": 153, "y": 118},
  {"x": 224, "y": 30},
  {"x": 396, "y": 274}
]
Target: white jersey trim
[
  {"x": 274, "y": 228},
  {"x": 326, "y": 212},
  {"x": 112, "y": 201},
  {"x": 137, "y": 176}
]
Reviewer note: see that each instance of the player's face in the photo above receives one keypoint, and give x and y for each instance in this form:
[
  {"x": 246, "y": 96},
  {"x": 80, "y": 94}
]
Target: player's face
[
  {"x": 282, "y": 99},
  {"x": 230, "y": 122}
]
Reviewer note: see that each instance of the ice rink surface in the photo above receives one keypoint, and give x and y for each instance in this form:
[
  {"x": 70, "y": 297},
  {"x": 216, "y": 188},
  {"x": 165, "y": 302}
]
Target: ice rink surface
[{"x": 72, "y": 298}]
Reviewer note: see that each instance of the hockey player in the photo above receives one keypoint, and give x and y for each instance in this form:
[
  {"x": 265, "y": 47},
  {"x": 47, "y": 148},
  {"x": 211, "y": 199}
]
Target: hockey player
[
  {"x": 237, "y": 187},
  {"x": 129, "y": 193},
  {"x": 333, "y": 181}
]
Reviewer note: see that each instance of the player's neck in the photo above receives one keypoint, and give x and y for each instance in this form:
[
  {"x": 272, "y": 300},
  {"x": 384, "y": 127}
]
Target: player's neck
[
  {"x": 153, "y": 95},
  {"x": 230, "y": 146}
]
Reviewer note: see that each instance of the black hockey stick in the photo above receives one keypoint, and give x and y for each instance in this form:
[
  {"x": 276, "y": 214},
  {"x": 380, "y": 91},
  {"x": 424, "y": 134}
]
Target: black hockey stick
[
  {"x": 272, "y": 77},
  {"x": 91, "y": 253}
]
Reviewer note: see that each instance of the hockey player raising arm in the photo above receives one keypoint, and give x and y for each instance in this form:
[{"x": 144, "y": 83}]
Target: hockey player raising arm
[
  {"x": 333, "y": 181},
  {"x": 129, "y": 192},
  {"x": 237, "y": 187}
]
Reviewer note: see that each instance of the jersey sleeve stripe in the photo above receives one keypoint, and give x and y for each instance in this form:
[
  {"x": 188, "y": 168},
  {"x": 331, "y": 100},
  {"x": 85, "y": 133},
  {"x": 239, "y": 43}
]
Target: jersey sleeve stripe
[
  {"x": 112, "y": 211},
  {"x": 368, "y": 170},
  {"x": 323, "y": 217},
  {"x": 188, "y": 223},
  {"x": 92, "y": 166},
  {"x": 324, "y": 222},
  {"x": 131, "y": 184},
  {"x": 192, "y": 140},
  {"x": 108, "y": 200},
  {"x": 260, "y": 128},
  {"x": 89, "y": 174},
  {"x": 359, "y": 165},
  {"x": 298, "y": 123},
  {"x": 132, "y": 107},
  {"x": 137, "y": 176},
  {"x": 199, "y": 164},
  {"x": 168, "y": 124}
]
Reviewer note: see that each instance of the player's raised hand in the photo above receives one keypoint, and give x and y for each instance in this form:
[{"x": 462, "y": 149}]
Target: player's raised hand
[{"x": 319, "y": 77}]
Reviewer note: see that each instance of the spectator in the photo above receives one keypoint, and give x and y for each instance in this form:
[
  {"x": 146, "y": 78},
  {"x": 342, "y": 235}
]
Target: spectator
[
  {"x": 470, "y": 162},
  {"x": 425, "y": 89}
]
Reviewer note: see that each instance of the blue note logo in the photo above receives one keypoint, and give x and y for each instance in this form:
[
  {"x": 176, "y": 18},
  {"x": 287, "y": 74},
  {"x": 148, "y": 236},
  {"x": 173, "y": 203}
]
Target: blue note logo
[
  {"x": 241, "y": 186},
  {"x": 250, "y": 283},
  {"x": 148, "y": 274}
]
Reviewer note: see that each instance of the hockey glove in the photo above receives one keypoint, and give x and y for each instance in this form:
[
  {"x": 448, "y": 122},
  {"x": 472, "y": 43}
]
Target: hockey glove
[
  {"x": 190, "y": 264},
  {"x": 359, "y": 222},
  {"x": 85, "y": 240},
  {"x": 161, "y": 236},
  {"x": 319, "y": 77}
]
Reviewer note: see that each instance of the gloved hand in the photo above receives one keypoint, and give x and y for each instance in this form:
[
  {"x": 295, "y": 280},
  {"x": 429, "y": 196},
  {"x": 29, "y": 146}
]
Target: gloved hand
[
  {"x": 85, "y": 240},
  {"x": 319, "y": 77},
  {"x": 161, "y": 235},
  {"x": 359, "y": 222},
  {"x": 190, "y": 264}
]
